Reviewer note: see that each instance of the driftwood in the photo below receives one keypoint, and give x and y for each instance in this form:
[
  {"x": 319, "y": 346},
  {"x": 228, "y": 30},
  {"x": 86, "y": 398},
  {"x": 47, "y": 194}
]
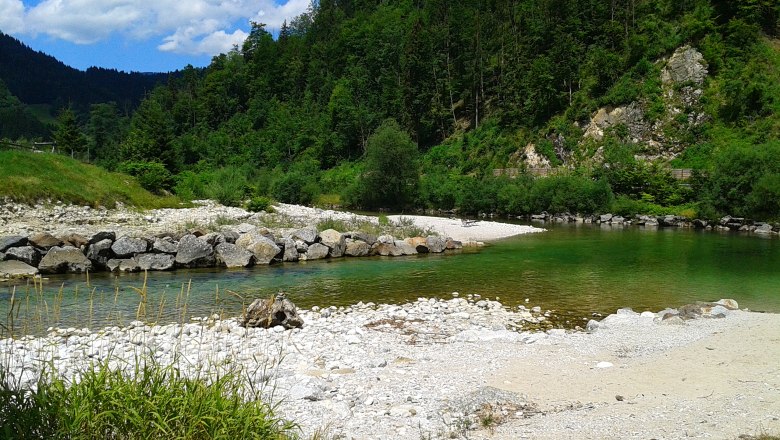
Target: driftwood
[{"x": 273, "y": 311}]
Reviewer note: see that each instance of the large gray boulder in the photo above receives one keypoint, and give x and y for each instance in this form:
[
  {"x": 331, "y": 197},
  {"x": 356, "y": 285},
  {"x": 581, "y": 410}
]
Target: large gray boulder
[
  {"x": 126, "y": 247},
  {"x": 405, "y": 248},
  {"x": 12, "y": 241},
  {"x": 335, "y": 241},
  {"x": 44, "y": 240},
  {"x": 307, "y": 234},
  {"x": 26, "y": 254},
  {"x": 316, "y": 251},
  {"x": 272, "y": 312},
  {"x": 155, "y": 261},
  {"x": 194, "y": 252},
  {"x": 64, "y": 259},
  {"x": 164, "y": 245},
  {"x": 263, "y": 248},
  {"x": 75, "y": 240},
  {"x": 363, "y": 236},
  {"x": 290, "y": 250},
  {"x": 435, "y": 244},
  {"x": 14, "y": 269},
  {"x": 100, "y": 252},
  {"x": 230, "y": 255},
  {"x": 357, "y": 248}
]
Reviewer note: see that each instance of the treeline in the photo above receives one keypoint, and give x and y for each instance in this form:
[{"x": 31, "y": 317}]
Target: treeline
[
  {"x": 406, "y": 104},
  {"x": 39, "y": 79}
]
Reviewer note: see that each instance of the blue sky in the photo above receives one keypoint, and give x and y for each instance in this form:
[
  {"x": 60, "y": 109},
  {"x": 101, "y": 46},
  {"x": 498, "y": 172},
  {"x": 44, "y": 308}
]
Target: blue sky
[{"x": 139, "y": 35}]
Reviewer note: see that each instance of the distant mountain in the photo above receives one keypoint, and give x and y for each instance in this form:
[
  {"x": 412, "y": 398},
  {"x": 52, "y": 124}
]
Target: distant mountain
[{"x": 37, "y": 78}]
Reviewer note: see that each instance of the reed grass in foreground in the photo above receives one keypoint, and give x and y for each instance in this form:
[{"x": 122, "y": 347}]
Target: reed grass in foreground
[{"x": 156, "y": 402}]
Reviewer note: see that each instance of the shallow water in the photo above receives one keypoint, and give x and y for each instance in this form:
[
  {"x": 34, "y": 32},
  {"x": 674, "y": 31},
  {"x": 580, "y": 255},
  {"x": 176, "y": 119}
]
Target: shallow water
[{"x": 574, "y": 270}]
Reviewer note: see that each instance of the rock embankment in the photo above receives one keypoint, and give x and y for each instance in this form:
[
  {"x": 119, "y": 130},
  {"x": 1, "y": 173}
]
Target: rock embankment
[
  {"x": 453, "y": 368},
  {"x": 243, "y": 245},
  {"x": 726, "y": 223}
]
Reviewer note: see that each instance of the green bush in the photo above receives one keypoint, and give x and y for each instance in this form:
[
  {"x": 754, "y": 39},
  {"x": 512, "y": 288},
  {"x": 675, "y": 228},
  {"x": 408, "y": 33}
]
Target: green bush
[
  {"x": 153, "y": 176},
  {"x": 228, "y": 186},
  {"x": 259, "y": 203},
  {"x": 295, "y": 187}
]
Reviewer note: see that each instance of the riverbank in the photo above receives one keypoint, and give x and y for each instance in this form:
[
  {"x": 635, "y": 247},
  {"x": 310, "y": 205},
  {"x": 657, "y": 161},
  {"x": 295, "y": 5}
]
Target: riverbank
[{"x": 466, "y": 369}]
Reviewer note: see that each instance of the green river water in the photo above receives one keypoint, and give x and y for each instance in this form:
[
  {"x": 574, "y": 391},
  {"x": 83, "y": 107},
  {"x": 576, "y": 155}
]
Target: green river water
[{"x": 573, "y": 270}]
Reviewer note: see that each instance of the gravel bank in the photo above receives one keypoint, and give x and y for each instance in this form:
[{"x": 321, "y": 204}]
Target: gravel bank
[{"x": 465, "y": 369}]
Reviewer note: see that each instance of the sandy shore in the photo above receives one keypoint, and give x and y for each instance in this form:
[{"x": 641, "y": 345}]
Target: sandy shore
[{"x": 468, "y": 231}]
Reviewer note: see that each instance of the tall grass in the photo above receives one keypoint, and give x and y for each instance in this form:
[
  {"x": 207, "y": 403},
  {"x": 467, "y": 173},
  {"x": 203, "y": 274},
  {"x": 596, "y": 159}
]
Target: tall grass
[
  {"x": 30, "y": 177},
  {"x": 155, "y": 402}
]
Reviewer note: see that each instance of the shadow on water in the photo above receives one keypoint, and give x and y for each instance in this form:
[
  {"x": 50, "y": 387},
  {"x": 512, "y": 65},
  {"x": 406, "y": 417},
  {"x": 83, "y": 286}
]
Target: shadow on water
[{"x": 574, "y": 270}]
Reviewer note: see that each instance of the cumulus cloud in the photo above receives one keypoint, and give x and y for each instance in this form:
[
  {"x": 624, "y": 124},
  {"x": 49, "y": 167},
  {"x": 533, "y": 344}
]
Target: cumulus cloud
[
  {"x": 12, "y": 17},
  {"x": 190, "y": 27}
]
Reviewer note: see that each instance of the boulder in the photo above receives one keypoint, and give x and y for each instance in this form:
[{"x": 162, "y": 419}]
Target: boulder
[
  {"x": 307, "y": 234},
  {"x": 405, "y": 248},
  {"x": 419, "y": 243},
  {"x": 126, "y": 247},
  {"x": 75, "y": 240},
  {"x": 316, "y": 251},
  {"x": 155, "y": 261},
  {"x": 363, "y": 236},
  {"x": 230, "y": 255},
  {"x": 12, "y": 241},
  {"x": 386, "y": 239},
  {"x": 194, "y": 252},
  {"x": 123, "y": 265},
  {"x": 260, "y": 246},
  {"x": 451, "y": 244},
  {"x": 605, "y": 218},
  {"x": 230, "y": 236},
  {"x": 272, "y": 312},
  {"x": 435, "y": 244},
  {"x": 290, "y": 250},
  {"x": 26, "y": 254},
  {"x": 100, "y": 252},
  {"x": 14, "y": 268},
  {"x": 44, "y": 240},
  {"x": 728, "y": 303},
  {"x": 335, "y": 241},
  {"x": 100, "y": 236},
  {"x": 164, "y": 245},
  {"x": 357, "y": 248},
  {"x": 385, "y": 249},
  {"x": 213, "y": 238},
  {"x": 64, "y": 259},
  {"x": 763, "y": 228},
  {"x": 699, "y": 223}
]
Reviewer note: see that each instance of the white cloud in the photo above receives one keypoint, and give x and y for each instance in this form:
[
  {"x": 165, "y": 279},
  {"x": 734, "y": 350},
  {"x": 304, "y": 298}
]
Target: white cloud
[
  {"x": 190, "y": 27},
  {"x": 12, "y": 17}
]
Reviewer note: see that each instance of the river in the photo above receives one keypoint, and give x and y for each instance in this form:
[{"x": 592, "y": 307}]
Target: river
[{"x": 574, "y": 270}]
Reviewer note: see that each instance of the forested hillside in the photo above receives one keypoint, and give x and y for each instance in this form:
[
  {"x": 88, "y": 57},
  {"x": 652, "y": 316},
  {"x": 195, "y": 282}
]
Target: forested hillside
[
  {"x": 414, "y": 104},
  {"x": 36, "y": 78}
]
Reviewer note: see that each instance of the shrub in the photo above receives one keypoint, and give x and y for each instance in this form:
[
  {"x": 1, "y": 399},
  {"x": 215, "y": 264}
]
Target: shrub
[
  {"x": 260, "y": 203},
  {"x": 228, "y": 186},
  {"x": 153, "y": 176},
  {"x": 570, "y": 194},
  {"x": 295, "y": 187}
]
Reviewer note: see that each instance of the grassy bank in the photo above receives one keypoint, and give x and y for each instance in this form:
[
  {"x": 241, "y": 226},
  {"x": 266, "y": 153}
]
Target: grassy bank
[{"x": 30, "y": 177}]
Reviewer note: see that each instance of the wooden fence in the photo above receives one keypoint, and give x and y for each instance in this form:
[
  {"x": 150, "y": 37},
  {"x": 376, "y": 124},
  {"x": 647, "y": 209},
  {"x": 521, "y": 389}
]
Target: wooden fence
[{"x": 512, "y": 173}]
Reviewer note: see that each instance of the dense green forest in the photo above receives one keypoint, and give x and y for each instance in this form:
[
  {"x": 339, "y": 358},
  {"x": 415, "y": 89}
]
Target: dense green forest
[
  {"x": 35, "y": 86},
  {"x": 414, "y": 104}
]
